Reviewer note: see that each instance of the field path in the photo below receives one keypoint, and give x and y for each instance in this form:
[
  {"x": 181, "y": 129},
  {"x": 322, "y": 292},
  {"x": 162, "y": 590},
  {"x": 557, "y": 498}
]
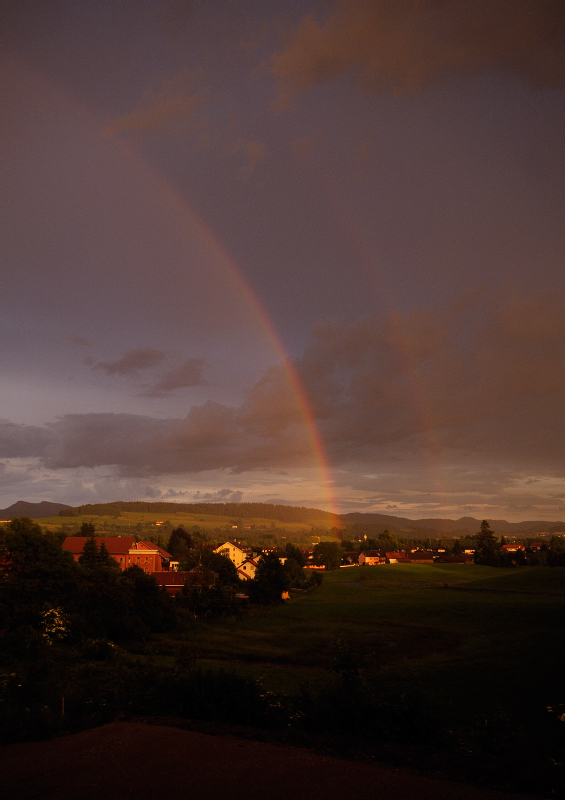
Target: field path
[{"x": 136, "y": 761}]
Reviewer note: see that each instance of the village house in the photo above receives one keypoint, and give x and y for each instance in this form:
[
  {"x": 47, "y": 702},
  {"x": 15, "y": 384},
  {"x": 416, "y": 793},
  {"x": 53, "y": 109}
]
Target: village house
[
  {"x": 396, "y": 558},
  {"x": 421, "y": 557},
  {"x": 371, "y": 558},
  {"x": 172, "y": 581},
  {"x": 247, "y": 570},
  {"x": 236, "y": 552},
  {"x": 126, "y": 552}
]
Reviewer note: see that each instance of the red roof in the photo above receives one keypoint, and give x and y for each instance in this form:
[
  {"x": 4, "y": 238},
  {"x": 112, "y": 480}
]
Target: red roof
[
  {"x": 153, "y": 546},
  {"x": 115, "y": 545},
  {"x": 421, "y": 555}
]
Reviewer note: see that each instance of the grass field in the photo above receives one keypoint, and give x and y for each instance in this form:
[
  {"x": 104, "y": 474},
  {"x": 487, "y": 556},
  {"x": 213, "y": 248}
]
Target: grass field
[
  {"x": 106, "y": 525},
  {"x": 459, "y": 665},
  {"x": 471, "y": 657},
  {"x": 471, "y": 637}
]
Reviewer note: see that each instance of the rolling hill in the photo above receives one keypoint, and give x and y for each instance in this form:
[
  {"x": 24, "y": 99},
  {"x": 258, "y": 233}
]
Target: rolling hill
[{"x": 32, "y": 510}]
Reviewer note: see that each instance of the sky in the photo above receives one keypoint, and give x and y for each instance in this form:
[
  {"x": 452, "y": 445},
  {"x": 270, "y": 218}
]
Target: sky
[{"x": 309, "y": 253}]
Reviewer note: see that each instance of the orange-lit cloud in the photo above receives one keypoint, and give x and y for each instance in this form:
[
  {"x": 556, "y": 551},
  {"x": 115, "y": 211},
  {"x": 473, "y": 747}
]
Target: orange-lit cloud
[{"x": 404, "y": 45}]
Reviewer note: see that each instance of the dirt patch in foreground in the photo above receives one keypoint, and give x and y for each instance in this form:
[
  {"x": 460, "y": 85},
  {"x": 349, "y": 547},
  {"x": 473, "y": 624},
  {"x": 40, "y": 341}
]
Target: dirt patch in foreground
[{"x": 135, "y": 761}]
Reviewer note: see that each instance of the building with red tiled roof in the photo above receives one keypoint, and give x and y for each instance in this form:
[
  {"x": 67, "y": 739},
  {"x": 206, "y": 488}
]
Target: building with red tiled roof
[
  {"x": 172, "y": 581},
  {"x": 396, "y": 558},
  {"x": 421, "y": 557},
  {"x": 247, "y": 570},
  {"x": 126, "y": 551}
]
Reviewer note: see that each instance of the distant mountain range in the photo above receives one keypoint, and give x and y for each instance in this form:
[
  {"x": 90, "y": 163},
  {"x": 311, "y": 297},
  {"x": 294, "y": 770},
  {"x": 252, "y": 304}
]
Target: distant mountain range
[
  {"x": 32, "y": 510},
  {"x": 372, "y": 523},
  {"x": 465, "y": 525}
]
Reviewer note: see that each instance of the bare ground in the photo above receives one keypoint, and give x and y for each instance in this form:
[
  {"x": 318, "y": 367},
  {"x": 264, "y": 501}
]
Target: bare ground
[{"x": 138, "y": 761}]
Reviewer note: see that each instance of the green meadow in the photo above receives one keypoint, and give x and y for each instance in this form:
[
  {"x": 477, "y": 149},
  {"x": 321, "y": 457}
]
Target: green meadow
[
  {"x": 470, "y": 659},
  {"x": 127, "y": 522},
  {"x": 469, "y": 624}
]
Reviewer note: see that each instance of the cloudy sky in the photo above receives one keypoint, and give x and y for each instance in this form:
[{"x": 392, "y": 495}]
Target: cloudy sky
[{"x": 309, "y": 252}]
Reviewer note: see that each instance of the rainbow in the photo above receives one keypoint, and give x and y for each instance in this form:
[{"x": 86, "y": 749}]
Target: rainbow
[
  {"x": 217, "y": 249},
  {"x": 213, "y": 246}
]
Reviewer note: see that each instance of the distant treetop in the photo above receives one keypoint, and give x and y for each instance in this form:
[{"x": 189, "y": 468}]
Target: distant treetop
[{"x": 262, "y": 510}]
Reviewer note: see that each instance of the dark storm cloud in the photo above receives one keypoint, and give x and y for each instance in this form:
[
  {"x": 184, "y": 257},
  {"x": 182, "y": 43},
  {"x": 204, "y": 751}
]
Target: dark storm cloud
[
  {"x": 132, "y": 361},
  {"x": 23, "y": 441},
  {"x": 487, "y": 380},
  {"x": 404, "y": 45},
  {"x": 480, "y": 386},
  {"x": 210, "y": 437},
  {"x": 188, "y": 374}
]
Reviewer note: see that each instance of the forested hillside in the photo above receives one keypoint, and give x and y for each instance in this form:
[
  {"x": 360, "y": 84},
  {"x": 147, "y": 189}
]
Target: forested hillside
[{"x": 247, "y": 510}]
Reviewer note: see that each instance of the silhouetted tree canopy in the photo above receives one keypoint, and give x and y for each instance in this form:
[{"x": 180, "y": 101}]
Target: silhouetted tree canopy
[
  {"x": 179, "y": 543},
  {"x": 270, "y": 581}
]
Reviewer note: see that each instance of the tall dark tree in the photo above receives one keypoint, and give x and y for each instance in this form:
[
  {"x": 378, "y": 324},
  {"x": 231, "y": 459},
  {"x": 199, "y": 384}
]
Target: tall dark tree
[
  {"x": 87, "y": 529},
  {"x": 294, "y": 553},
  {"x": 90, "y": 556},
  {"x": 328, "y": 554},
  {"x": 387, "y": 541},
  {"x": 40, "y": 573},
  {"x": 486, "y": 551},
  {"x": 179, "y": 543},
  {"x": 269, "y": 582},
  {"x": 104, "y": 557},
  {"x": 295, "y": 574}
]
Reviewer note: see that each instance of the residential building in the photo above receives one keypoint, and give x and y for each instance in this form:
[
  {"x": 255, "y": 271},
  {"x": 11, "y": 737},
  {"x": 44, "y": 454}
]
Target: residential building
[
  {"x": 126, "y": 552},
  {"x": 371, "y": 558},
  {"x": 421, "y": 557},
  {"x": 235, "y": 551},
  {"x": 247, "y": 570},
  {"x": 396, "y": 558}
]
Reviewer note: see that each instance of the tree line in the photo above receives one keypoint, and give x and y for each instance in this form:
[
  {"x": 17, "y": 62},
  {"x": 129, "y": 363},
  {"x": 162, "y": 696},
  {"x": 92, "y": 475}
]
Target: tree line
[
  {"x": 488, "y": 551},
  {"x": 281, "y": 513}
]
